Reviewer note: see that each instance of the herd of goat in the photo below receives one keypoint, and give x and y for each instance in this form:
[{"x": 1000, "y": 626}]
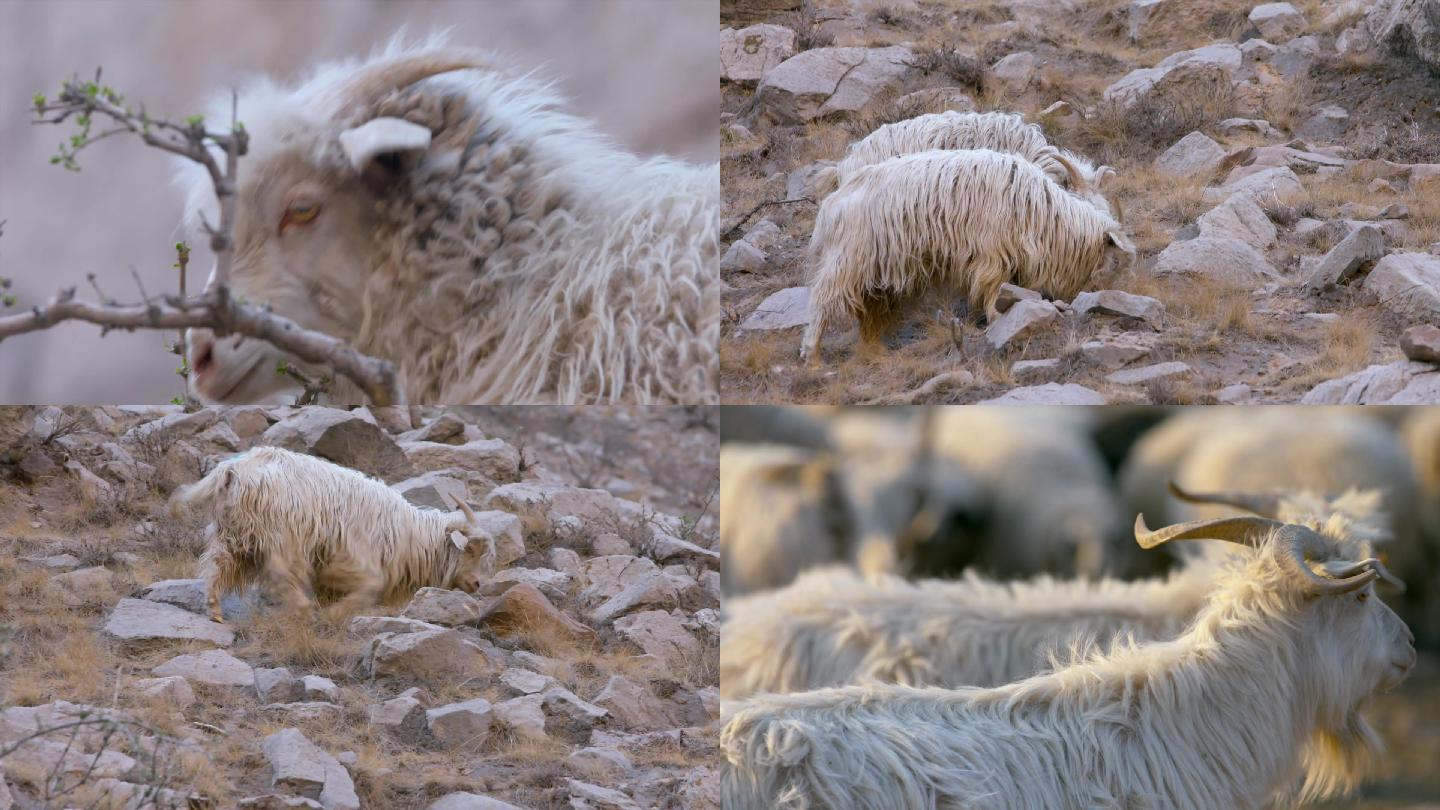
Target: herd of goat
[
  {"x": 966, "y": 607},
  {"x": 961, "y": 202}
]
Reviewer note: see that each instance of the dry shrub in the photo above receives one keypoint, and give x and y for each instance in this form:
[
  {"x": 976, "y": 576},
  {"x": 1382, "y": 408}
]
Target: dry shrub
[
  {"x": 1404, "y": 144},
  {"x": 1129, "y": 135},
  {"x": 887, "y": 109},
  {"x": 948, "y": 62}
]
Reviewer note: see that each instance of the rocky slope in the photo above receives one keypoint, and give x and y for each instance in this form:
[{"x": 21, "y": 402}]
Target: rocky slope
[
  {"x": 1278, "y": 167},
  {"x": 584, "y": 674}
]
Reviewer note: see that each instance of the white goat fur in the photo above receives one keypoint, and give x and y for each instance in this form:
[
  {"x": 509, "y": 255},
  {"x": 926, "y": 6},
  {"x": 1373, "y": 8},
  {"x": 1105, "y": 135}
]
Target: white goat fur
[
  {"x": 518, "y": 258},
  {"x": 1265, "y": 686},
  {"x": 832, "y": 628},
  {"x": 784, "y": 513},
  {"x": 313, "y": 526},
  {"x": 1002, "y": 132},
  {"x": 962, "y": 222}
]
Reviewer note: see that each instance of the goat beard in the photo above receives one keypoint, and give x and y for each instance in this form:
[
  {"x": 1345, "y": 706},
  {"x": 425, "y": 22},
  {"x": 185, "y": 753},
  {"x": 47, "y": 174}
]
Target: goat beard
[{"x": 1336, "y": 760}]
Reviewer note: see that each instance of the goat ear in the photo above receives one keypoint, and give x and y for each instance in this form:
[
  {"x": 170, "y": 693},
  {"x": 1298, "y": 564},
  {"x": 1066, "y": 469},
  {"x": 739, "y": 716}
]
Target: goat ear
[
  {"x": 1120, "y": 240},
  {"x": 382, "y": 149},
  {"x": 460, "y": 540}
]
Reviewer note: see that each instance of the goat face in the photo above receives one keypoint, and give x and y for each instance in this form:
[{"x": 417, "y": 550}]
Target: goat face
[
  {"x": 476, "y": 547},
  {"x": 1361, "y": 646}
]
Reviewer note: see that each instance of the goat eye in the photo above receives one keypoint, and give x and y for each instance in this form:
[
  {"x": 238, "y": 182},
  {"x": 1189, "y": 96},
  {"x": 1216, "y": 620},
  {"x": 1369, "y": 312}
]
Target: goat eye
[
  {"x": 299, "y": 214},
  {"x": 1362, "y": 596}
]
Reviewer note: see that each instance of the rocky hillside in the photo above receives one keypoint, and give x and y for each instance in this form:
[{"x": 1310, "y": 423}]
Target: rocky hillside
[
  {"x": 582, "y": 675},
  {"x": 1278, "y": 169}
]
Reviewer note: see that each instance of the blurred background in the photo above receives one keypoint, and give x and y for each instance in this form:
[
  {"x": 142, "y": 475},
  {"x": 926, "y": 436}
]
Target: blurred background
[
  {"x": 644, "y": 70},
  {"x": 1017, "y": 492}
]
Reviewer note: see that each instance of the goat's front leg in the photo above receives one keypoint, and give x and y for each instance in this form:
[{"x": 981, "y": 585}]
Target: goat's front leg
[{"x": 292, "y": 586}]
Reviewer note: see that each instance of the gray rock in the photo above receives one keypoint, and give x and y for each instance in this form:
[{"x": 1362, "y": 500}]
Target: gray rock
[
  {"x": 299, "y": 766},
  {"x": 278, "y": 685},
  {"x": 433, "y": 490},
  {"x": 1113, "y": 353},
  {"x": 1404, "y": 382},
  {"x": 308, "y": 711},
  {"x": 212, "y": 668},
  {"x": 1421, "y": 343},
  {"x": 1020, "y": 321},
  {"x": 1032, "y": 372},
  {"x": 1194, "y": 155},
  {"x": 317, "y": 687},
  {"x": 1277, "y": 22},
  {"x": 1327, "y": 124},
  {"x": 460, "y": 725},
  {"x": 747, "y": 54},
  {"x": 1272, "y": 188},
  {"x": 1048, "y": 394},
  {"x": 660, "y": 634},
  {"x": 494, "y": 458},
  {"x": 137, "y": 622},
  {"x": 524, "y": 716},
  {"x": 1010, "y": 294},
  {"x": 1363, "y": 245},
  {"x": 821, "y": 81},
  {"x": 173, "y": 689},
  {"x": 374, "y": 625},
  {"x": 343, "y": 438},
  {"x": 1407, "y": 283},
  {"x": 1237, "y": 394},
  {"x": 85, "y": 586},
  {"x": 635, "y": 707},
  {"x": 742, "y": 256},
  {"x": 596, "y": 796},
  {"x": 1239, "y": 217},
  {"x": 469, "y": 801},
  {"x": 554, "y": 584},
  {"x": 1180, "y": 75},
  {"x": 1230, "y": 260},
  {"x": 1405, "y": 27},
  {"x": 443, "y": 607},
  {"x": 1235, "y": 126},
  {"x": 1016, "y": 70},
  {"x": 1120, "y": 304},
  {"x": 402, "y": 717},
  {"x": 782, "y": 310},
  {"x": 1150, "y": 373},
  {"x": 445, "y": 429},
  {"x": 190, "y": 595},
  {"x": 1294, "y": 58},
  {"x": 423, "y": 654},
  {"x": 601, "y": 760},
  {"x": 804, "y": 181}
]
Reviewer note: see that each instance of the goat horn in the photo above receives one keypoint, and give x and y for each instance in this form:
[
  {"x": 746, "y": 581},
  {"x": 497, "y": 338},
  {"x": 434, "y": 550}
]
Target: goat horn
[
  {"x": 1300, "y": 542},
  {"x": 1375, "y": 565},
  {"x": 372, "y": 83},
  {"x": 469, "y": 515},
  {"x": 1240, "y": 530},
  {"x": 1262, "y": 505}
]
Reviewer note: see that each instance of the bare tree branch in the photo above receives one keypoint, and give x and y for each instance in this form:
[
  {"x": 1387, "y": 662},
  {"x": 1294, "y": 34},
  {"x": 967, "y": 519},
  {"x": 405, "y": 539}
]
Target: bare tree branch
[{"x": 215, "y": 308}]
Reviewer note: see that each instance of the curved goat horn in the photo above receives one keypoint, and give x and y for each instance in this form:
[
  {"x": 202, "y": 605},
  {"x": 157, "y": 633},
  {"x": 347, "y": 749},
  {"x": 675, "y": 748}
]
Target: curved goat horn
[
  {"x": 1371, "y": 564},
  {"x": 1300, "y": 542},
  {"x": 1245, "y": 531},
  {"x": 1262, "y": 505},
  {"x": 371, "y": 83}
]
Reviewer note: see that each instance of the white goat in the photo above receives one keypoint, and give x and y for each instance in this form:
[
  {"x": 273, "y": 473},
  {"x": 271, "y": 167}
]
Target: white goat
[
  {"x": 1002, "y": 132},
  {"x": 1265, "y": 686},
  {"x": 962, "y": 222},
  {"x": 316, "y": 527},
  {"x": 831, "y": 627},
  {"x": 431, "y": 209}
]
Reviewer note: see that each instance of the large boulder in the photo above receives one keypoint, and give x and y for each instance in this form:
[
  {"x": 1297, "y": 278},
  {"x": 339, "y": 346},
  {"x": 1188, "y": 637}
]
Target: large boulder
[
  {"x": 424, "y": 654},
  {"x": 660, "y": 634},
  {"x": 139, "y": 622},
  {"x": 1239, "y": 217},
  {"x": 830, "y": 80},
  {"x": 300, "y": 766},
  {"x": 1271, "y": 188},
  {"x": 1408, "y": 283},
  {"x": 747, "y": 54},
  {"x": 460, "y": 725},
  {"x": 1404, "y": 382},
  {"x": 341, "y": 437},
  {"x": 1405, "y": 28},
  {"x": 1277, "y": 22},
  {"x": 1195, "y": 155},
  {"x": 493, "y": 458},
  {"x": 1364, "y": 244},
  {"x": 1230, "y": 260},
  {"x": 782, "y": 310},
  {"x": 1179, "y": 77}
]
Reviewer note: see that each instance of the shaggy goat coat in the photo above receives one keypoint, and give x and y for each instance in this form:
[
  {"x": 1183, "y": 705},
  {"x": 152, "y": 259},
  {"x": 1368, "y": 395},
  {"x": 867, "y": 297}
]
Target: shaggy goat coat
[
  {"x": 1001, "y": 132},
  {"x": 316, "y": 527},
  {"x": 962, "y": 222},
  {"x": 1225, "y": 716},
  {"x": 515, "y": 256}
]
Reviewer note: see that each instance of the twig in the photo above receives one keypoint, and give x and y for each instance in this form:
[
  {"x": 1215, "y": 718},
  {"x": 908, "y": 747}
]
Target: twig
[{"x": 734, "y": 230}]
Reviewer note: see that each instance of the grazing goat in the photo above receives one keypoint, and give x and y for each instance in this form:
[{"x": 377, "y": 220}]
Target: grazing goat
[
  {"x": 962, "y": 222},
  {"x": 832, "y": 628},
  {"x": 1002, "y": 132},
  {"x": 434, "y": 210},
  {"x": 1256, "y": 702},
  {"x": 314, "y": 527}
]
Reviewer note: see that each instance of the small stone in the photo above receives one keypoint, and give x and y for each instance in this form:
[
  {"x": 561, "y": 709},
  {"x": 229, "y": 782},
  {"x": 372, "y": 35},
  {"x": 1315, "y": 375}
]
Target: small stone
[
  {"x": 174, "y": 690},
  {"x": 1277, "y": 22},
  {"x": 277, "y": 685},
  {"x": 1230, "y": 260},
  {"x": 1407, "y": 283},
  {"x": 442, "y": 607},
  {"x": 1048, "y": 394},
  {"x": 1150, "y": 373},
  {"x": 523, "y": 610},
  {"x": 469, "y": 801},
  {"x": 212, "y": 667},
  {"x": 402, "y": 717},
  {"x": 660, "y": 634},
  {"x": 317, "y": 687},
  {"x": 1021, "y": 320},
  {"x": 1363, "y": 245},
  {"x": 308, "y": 711},
  {"x": 785, "y": 309},
  {"x": 138, "y": 622},
  {"x": 524, "y": 716},
  {"x": 1114, "y": 353},
  {"x": 742, "y": 256},
  {"x": 1194, "y": 155},
  {"x": 1016, "y": 70},
  {"x": 594, "y": 795},
  {"x": 1121, "y": 304},
  {"x": 1421, "y": 343},
  {"x": 1237, "y": 394},
  {"x": 425, "y": 654},
  {"x": 1031, "y": 372},
  {"x": 1011, "y": 294},
  {"x": 1238, "y": 217},
  {"x": 299, "y": 766},
  {"x": 460, "y": 725},
  {"x": 1395, "y": 211},
  {"x": 748, "y": 54}
]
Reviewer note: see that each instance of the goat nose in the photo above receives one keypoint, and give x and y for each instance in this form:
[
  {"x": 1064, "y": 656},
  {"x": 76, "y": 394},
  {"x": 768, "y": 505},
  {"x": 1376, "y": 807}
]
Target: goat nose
[{"x": 202, "y": 349}]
